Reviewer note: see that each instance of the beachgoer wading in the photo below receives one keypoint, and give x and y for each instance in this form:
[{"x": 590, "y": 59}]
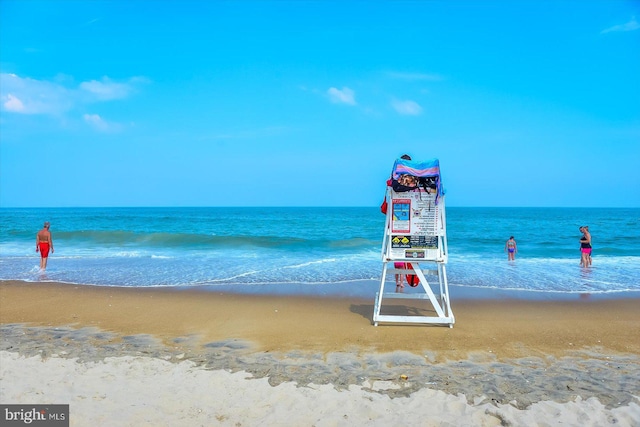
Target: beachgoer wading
[
  {"x": 585, "y": 247},
  {"x": 44, "y": 243},
  {"x": 511, "y": 248}
]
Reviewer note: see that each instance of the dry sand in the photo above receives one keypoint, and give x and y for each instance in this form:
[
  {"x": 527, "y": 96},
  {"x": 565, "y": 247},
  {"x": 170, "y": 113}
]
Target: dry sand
[{"x": 314, "y": 360}]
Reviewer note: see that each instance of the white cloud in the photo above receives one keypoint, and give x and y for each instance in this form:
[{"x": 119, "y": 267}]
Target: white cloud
[
  {"x": 13, "y": 104},
  {"x": 629, "y": 26},
  {"x": 106, "y": 89},
  {"x": 408, "y": 108},
  {"x": 59, "y": 96},
  {"x": 98, "y": 123},
  {"x": 344, "y": 96},
  {"x": 30, "y": 96}
]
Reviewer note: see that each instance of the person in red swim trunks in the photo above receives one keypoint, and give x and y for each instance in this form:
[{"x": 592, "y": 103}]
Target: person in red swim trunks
[{"x": 44, "y": 243}]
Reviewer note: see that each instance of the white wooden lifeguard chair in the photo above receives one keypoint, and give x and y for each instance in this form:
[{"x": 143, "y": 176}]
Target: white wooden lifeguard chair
[{"x": 416, "y": 236}]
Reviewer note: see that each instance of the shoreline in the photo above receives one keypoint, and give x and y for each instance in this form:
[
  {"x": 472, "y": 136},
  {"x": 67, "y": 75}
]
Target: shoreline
[
  {"x": 361, "y": 289},
  {"x": 501, "y": 352}
]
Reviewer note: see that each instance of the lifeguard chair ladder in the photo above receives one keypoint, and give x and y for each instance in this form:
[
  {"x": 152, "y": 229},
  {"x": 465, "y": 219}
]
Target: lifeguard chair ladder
[{"x": 415, "y": 233}]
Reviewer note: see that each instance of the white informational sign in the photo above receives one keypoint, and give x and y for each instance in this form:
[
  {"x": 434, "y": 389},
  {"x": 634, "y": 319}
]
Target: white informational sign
[{"x": 415, "y": 227}]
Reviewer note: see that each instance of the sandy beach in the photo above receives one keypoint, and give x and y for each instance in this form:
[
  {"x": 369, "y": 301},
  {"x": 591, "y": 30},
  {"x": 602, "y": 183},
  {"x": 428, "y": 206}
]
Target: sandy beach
[{"x": 160, "y": 356}]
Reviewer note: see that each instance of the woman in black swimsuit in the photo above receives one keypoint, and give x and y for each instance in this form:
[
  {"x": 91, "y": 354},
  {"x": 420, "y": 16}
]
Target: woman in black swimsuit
[{"x": 585, "y": 247}]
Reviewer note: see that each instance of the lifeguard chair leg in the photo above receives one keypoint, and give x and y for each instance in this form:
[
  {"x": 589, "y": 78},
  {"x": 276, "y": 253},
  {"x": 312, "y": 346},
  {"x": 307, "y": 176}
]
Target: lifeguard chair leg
[{"x": 378, "y": 304}]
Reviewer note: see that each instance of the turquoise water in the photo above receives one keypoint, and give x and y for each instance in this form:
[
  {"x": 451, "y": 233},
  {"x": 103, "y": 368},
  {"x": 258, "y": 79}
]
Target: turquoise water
[{"x": 316, "y": 247}]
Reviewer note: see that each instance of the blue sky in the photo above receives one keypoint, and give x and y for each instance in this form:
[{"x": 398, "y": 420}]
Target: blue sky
[{"x": 194, "y": 103}]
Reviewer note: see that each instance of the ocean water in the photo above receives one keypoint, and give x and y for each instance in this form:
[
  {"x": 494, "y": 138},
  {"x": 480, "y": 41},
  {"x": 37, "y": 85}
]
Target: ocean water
[{"x": 322, "y": 250}]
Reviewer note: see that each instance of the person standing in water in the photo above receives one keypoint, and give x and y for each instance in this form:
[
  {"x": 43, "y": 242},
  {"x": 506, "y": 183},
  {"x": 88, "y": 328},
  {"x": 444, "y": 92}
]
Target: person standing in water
[
  {"x": 511, "y": 248},
  {"x": 44, "y": 243},
  {"x": 585, "y": 247},
  {"x": 588, "y": 235}
]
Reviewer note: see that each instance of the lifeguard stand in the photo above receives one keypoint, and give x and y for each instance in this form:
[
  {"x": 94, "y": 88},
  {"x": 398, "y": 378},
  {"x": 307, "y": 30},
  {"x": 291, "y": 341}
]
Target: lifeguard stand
[{"x": 415, "y": 234}]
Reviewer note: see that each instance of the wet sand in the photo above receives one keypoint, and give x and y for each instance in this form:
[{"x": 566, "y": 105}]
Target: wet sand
[{"x": 506, "y": 328}]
